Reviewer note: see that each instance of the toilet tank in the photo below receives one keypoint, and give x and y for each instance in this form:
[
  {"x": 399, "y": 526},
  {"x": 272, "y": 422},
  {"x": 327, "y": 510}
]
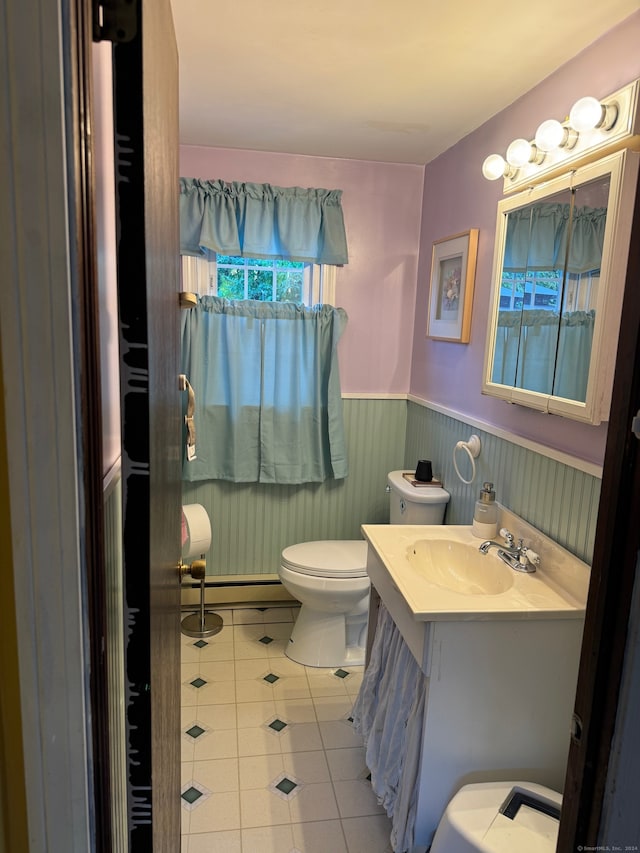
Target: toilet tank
[{"x": 415, "y": 504}]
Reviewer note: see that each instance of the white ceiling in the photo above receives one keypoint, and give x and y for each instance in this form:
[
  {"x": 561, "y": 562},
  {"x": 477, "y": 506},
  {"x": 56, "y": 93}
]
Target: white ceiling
[{"x": 368, "y": 79}]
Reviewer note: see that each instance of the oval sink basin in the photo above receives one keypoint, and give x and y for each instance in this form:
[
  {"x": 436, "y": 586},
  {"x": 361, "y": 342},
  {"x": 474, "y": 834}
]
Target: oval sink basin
[{"x": 459, "y": 567}]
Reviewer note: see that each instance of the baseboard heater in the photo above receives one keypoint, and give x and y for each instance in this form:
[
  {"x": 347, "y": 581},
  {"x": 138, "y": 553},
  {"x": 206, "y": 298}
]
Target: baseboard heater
[
  {"x": 218, "y": 582},
  {"x": 237, "y": 589}
]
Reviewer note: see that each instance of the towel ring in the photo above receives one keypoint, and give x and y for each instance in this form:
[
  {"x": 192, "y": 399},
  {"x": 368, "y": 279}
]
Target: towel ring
[{"x": 472, "y": 448}]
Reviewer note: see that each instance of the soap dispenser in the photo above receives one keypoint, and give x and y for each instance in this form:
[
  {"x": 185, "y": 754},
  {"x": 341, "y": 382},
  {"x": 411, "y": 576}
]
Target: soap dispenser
[{"x": 485, "y": 516}]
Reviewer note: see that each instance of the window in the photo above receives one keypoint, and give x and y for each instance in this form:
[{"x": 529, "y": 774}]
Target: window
[
  {"x": 262, "y": 279},
  {"x": 267, "y": 280}
]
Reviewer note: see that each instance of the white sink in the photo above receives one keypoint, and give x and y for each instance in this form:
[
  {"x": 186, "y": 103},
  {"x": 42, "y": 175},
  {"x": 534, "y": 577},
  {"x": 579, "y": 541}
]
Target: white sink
[
  {"x": 459, "y": 567},
  {"x": 439, "y": 573}
]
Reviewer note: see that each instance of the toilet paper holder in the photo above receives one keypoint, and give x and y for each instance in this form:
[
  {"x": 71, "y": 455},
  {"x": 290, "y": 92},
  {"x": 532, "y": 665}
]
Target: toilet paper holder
[{"x": 201, "y": 624}]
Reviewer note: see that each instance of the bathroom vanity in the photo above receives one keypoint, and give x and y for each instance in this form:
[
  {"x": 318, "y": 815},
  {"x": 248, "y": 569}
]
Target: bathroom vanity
[{"x": 499, "y": 653}]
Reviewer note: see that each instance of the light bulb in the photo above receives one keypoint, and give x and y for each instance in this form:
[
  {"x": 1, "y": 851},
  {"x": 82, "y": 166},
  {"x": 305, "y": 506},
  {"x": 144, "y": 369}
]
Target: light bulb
[
  {"x": 494, "y": 167},
  {"x": 519, "y": 153},
  {"x": 550, "y": 135},
  {"x": 586, "y": 114}
]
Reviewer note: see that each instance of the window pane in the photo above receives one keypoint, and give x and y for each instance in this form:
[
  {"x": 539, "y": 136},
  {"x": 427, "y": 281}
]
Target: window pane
[
  {"x": 548, "y": 283},
  {"x": 231, "y": 283},
  {"x": 260, "y": 274},
  {"x": 512, "y": 291},
  {"x": 289, "y": 265},
  {"x": 289, "y": 286},
  {"x": 261, "y": 285}
]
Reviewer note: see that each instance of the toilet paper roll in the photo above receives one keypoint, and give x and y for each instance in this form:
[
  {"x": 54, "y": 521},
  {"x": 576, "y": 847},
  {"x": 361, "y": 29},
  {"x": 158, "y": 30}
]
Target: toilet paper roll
[{"x": 198, "y": 530}]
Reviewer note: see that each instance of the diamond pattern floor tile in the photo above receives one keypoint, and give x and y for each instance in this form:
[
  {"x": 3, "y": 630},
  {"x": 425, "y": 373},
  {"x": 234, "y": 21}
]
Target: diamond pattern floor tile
[{"x": 282, "y": 770}]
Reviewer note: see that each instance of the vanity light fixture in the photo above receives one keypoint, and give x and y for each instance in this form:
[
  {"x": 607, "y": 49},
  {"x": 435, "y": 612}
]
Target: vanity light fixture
[{"x": 594, "y": 128}]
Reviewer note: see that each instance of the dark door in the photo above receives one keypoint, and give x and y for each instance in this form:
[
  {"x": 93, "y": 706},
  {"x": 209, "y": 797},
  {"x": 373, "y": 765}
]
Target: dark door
[
  {"x": 146, "y": 154},
  {"x": 610, "y": 623}
]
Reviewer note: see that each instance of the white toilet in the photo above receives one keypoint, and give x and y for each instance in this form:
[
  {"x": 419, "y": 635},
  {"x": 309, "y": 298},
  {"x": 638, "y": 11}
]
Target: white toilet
[
  {"x": 329, "y": 579},
  {"x": 500, "y": 817}
]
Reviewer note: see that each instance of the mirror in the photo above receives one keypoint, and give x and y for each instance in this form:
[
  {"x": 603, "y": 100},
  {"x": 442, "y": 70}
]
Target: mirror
[{"x": 557, "y": 290}]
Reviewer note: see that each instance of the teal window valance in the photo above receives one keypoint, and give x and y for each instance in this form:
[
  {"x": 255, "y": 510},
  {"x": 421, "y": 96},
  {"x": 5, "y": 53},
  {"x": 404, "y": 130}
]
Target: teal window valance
[
  {"x": 267, "y": 388},
  {"x": 262, "y": 221}
]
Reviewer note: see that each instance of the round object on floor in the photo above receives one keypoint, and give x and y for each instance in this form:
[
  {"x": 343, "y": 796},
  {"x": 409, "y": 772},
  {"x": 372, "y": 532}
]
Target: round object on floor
[{"x": 194, "y": 625}]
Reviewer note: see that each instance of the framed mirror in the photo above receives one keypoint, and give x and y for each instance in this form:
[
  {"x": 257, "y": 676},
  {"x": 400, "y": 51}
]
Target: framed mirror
[{"x": 558, "y": 279}]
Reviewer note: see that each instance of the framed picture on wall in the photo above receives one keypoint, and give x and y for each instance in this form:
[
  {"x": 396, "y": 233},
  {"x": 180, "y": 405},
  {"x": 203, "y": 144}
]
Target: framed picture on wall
[{"x": 453, "y": 270}]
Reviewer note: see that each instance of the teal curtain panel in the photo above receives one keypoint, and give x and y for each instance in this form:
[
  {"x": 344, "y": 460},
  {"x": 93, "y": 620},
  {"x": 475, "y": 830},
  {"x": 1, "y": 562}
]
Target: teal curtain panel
[{"x": 267, "y": 389}]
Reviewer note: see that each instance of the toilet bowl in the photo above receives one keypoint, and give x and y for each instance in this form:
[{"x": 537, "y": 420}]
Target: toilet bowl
[
  {"x": 500, "y": 817},
  {"x": 329, "y": 579}
]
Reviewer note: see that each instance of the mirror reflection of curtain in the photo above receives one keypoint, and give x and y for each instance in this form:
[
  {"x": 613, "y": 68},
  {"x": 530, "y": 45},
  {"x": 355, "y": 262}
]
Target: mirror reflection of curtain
[
  {"x": 587, "y": 239},
  {"x": 505, "y": 357},
  {"x": 536, "y": 355},
  {"x": 265, "y": 375},
  {"x": 525, "y": 354},
  {"x": 574, "y": 355},
  {"x": 537, "y": 237},
  {"x": 576, "y": 328},
  {"x": 549, "y": 350}
]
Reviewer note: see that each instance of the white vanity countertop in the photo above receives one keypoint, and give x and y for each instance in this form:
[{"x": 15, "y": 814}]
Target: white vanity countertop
[{"x": 556, "y": 590}]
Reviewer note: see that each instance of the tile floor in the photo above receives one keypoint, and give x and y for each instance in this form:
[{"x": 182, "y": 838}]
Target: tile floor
[{"x": 270, "y": 762}]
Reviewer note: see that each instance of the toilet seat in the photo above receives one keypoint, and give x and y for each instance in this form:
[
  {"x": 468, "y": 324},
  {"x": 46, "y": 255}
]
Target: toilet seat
[{"x": 329, "y": 558}]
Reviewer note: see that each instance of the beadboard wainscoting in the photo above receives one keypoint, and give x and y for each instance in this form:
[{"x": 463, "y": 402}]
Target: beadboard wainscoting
[
  {"x": 253, "y": 522},
  {"x": 557, "y": 498}
]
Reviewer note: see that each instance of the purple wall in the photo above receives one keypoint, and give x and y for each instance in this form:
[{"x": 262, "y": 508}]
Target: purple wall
[
  {"x": 384, "y": 288},
  {"x": 457, "y": 197},
  {"x": 381, "y": 203}
]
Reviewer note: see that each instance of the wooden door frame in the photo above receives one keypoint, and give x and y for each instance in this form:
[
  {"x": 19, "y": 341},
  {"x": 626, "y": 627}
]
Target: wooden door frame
[
  {"x": 610, "y": 592},
  {"x": 84, "y": 226},
  {"x": 40, "y": 381}
]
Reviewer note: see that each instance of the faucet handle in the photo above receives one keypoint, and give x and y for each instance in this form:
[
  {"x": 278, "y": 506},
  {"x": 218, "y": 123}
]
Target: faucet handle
[
  {"x": 527, "y": 560},
  {"x": 507, "y": 536}
]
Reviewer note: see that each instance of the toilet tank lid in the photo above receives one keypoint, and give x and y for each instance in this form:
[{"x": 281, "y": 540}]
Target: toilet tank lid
[
  {"x": 347, "y": 557},
  {"x": 478, "y": 818},
  {"x": 418, "y": 494}
]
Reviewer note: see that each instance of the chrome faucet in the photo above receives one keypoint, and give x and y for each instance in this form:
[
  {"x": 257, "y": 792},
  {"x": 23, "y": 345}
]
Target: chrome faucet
[{"x": 519, "y": 557}]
